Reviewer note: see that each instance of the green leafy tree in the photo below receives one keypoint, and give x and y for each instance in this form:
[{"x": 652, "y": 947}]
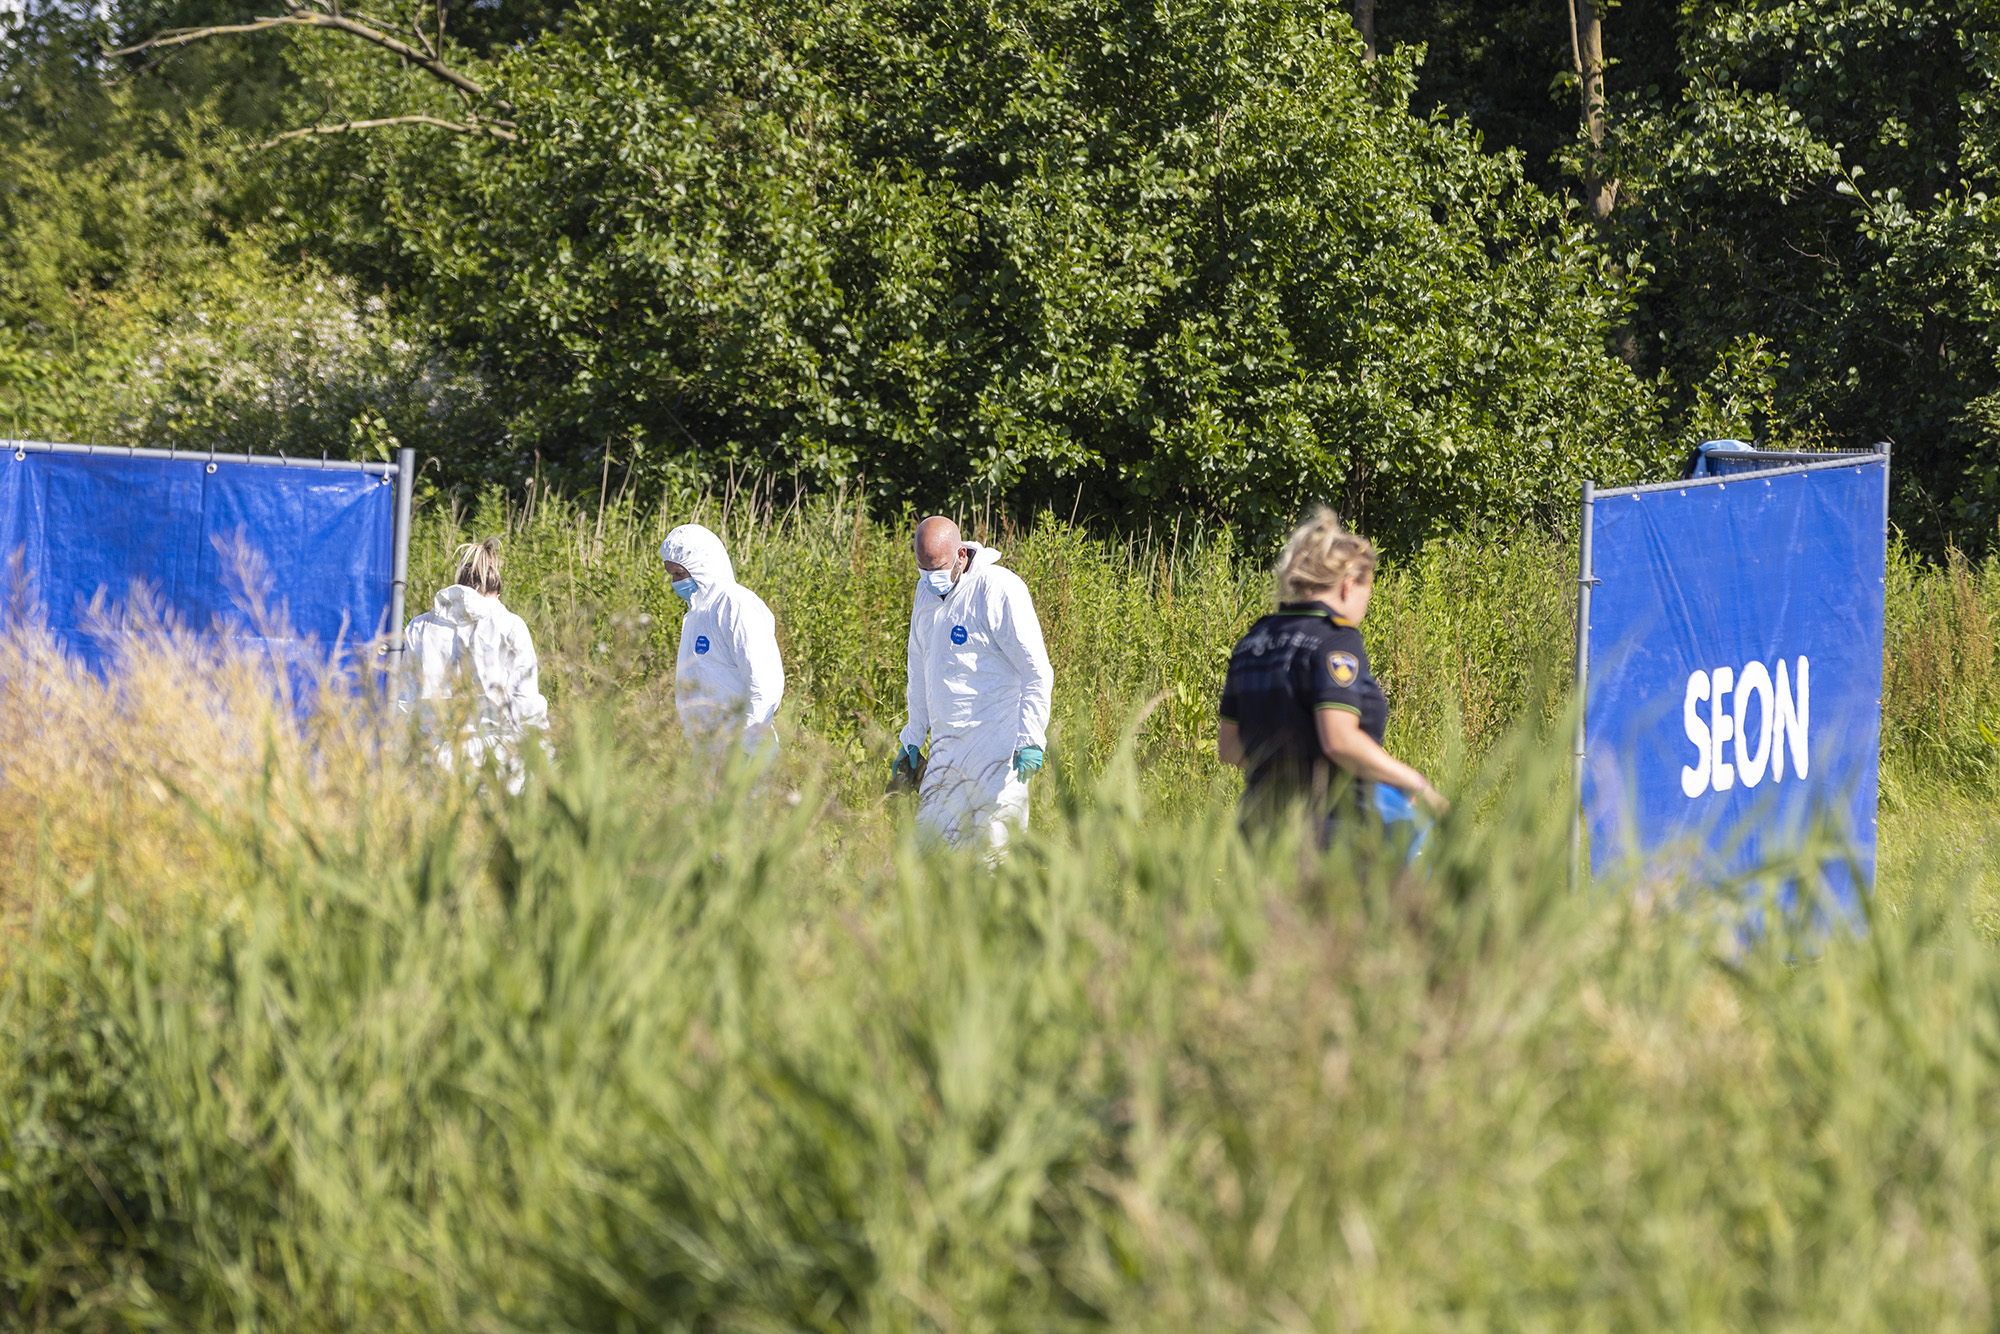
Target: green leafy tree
[
  {"x": 140, "y": 301},
  {"x": 1106, "y": 257},
  {"x": 1810, "y": 178},
  {"x": 1821, "y": 179},
  {"x": 1068, "y": 253}
]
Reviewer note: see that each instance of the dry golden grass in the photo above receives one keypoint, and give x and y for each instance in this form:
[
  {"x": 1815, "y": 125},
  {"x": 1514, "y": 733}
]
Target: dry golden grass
[{"x": 140, "y": 772}]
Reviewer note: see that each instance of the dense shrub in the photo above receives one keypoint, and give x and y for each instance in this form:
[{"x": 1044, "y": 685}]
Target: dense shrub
[{"x": 1106, "y": 256}]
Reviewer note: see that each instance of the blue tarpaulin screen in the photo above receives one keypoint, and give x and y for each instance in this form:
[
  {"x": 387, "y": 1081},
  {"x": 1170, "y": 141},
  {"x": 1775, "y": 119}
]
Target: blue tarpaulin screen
[
  {"x": 320, "y": 544},
  {"x": 1735, "y": 680}
]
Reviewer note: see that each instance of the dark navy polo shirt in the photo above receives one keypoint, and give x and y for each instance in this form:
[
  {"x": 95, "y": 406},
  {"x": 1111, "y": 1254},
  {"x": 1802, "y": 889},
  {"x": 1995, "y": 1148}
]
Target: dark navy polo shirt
[{"x": 1290, "y": 665}]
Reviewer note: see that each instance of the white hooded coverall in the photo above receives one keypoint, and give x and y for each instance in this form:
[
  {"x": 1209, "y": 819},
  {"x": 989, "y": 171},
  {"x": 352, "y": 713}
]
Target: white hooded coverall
[
  {"x": 728, "y": 675},
  {"x": 979, "y": 687},
  {"x": 469, "y": 639}
]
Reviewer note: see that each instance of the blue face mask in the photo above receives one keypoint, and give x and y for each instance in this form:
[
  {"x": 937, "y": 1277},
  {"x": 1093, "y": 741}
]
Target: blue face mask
[
  {"x": 685, "y": 589},
  {"x": 939, "y": 581}
]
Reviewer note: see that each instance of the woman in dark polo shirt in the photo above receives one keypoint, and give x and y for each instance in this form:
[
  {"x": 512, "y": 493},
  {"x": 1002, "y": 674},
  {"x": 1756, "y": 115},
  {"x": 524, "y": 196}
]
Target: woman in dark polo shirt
[{"x": 1301, "y": 714}]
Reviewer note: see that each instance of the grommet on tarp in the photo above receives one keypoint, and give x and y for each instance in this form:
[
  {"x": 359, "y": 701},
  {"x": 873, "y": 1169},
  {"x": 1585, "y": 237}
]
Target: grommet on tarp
[{"x": 20, "y": 455}]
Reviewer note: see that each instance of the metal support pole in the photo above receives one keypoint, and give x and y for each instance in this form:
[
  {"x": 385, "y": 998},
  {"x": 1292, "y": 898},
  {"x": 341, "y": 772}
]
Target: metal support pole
[
  {"x": 1585, "y": 579},
  {"x": 1882, "y": 448},
  {"x": 406, "y": 475},
  {"x": 1874, "y": 817}
]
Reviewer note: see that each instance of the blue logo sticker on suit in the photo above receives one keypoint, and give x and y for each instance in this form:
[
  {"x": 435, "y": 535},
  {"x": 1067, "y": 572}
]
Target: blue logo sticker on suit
[
  {"x": 701, "y": 643},
  {"x": 958, "y": 634}
]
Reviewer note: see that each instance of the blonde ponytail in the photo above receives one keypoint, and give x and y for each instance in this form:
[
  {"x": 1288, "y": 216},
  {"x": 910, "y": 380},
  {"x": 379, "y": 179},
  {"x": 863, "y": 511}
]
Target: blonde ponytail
[
  {"x": 1320, "y": 555},
  {"x": 479, "y": 566}
]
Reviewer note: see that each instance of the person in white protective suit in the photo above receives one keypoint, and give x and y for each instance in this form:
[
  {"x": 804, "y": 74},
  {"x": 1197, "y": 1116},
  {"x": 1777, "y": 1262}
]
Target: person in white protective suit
[
  {"x": 979, "y": 689},
  {"x": 728, "y": 677},
  {"x": 469, "y": 642}
]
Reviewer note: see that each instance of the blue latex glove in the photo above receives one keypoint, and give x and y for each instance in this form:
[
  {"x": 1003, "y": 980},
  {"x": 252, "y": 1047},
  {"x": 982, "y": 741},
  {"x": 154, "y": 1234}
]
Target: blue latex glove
[
  {"x": 1396, "y": 808},
  {"x": 1027, "y": 760},
  {"x": 907, "y": 770}
]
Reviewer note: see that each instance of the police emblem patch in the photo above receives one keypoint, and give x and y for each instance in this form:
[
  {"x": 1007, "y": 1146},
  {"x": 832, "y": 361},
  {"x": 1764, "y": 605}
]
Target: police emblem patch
[{"x": 1343, "y": 668}]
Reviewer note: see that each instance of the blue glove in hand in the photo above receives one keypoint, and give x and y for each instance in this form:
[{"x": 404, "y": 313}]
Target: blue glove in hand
[
  {"x": 1027, "y": 760},
  {"x": 908, "y": 769}
]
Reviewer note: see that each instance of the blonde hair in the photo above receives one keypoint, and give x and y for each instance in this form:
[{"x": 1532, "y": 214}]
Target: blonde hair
[
  {"x": 1320, "y": 554},
  {"x": 479, "y": 567}
]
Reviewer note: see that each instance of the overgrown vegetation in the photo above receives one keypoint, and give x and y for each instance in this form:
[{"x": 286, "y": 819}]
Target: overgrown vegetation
[
  {"x": 1041, "y": 254},
  {"x": 297, "y": 1032},
  {"x": 1465, "y": 633},
  {"x": 300, "y": 1035},
  {"x": 1462, "y": 634},
  {"x": 1805, "y": 202}
]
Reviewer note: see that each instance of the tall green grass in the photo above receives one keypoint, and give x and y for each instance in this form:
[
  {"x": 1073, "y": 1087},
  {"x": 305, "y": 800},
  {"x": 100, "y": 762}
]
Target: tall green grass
[
  {"x": 1464, "y": 634},
  {"x": 645, "y": 1048},
  {"x": 1467, "y": 635},
  {"x": 1461, "y": 635},
  {"x": 297, "y": 1032}
]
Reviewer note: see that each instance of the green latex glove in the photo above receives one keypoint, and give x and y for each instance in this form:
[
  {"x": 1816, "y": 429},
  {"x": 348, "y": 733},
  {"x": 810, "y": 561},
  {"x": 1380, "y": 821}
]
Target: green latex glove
[{"x": 908, "y": 770}]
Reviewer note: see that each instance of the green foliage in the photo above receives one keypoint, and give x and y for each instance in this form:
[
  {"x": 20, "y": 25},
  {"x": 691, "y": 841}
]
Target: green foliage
[
  {"x": 1816, "y": 177},
  {"x": 1043, "y": 253},
  {"x": 343, "y": 1043},
  {"x": 1508, "y": 66},
  {"x": 1462, "y": 633},
  {"x": 1049, "y": 249},
  {"x": 649, "y": 1048},
  {"x": 1819, "y": 178},
  {"x": 139, "y": 304},
  {"x": 1466, "y": 633}
]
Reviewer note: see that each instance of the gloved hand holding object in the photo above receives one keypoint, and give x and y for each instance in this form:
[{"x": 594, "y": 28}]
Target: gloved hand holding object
[
  {"x": 908, "y": 771},
  {"x": 1401, "y": 818},
  {"x": 1027, "y": 760}
]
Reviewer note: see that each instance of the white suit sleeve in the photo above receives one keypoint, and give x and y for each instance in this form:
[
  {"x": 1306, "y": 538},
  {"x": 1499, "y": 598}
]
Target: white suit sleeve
[
  {"x": 1020, "y": 638},
  {"x": 754, "y": 635},
  {"x": 916, "y": 696},
  {"x": 524, "y": 694}
]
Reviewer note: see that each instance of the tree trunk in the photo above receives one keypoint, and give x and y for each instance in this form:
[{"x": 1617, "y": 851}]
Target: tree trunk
[
  {"x": 1364, "y": 23},
  {"x": 1587, "y": 43}
]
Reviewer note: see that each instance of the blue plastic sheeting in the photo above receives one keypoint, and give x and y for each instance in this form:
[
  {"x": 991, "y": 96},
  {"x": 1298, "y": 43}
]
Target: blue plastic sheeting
[
  {"x": 1736, "y": 627},
  {"x": 319, "y": 542}
]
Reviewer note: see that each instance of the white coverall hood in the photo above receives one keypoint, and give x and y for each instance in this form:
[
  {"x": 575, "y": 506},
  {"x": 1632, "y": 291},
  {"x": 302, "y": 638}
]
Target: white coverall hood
[
  {"x": 982, "y": 556},
  {"x": 729, "y": 677},
  {"x": 979, "y": 686},
  {"x": 704, "y": 557},
  {"x": 464, "y": 607}
]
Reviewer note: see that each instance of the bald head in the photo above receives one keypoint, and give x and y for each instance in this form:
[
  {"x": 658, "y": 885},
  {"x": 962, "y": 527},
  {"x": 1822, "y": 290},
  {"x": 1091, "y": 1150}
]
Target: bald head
[{"x": 937, "y": 543}]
